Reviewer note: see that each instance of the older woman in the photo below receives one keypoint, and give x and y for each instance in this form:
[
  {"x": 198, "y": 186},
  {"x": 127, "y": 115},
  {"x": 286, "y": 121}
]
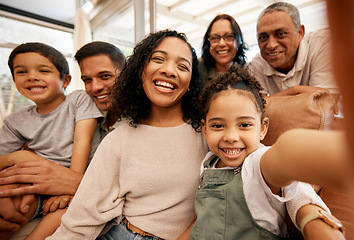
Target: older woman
[{"x": 223, "y": 46}]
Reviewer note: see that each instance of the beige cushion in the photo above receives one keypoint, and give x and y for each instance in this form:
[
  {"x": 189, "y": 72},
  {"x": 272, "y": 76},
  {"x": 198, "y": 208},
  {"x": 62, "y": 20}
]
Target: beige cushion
[{"x": 313, "y": 110}]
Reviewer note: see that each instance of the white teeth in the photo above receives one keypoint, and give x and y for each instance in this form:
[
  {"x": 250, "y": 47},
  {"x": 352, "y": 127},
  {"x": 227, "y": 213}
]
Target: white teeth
[
  {"x": 273, "y": 54},
  {"x": 232, "y": 152},
  {"x": 164, "y": 84},
  {"x": 222, "y": 52},
  {"x": 36, "y": 88},
  {"x": 101, "y": 97}
]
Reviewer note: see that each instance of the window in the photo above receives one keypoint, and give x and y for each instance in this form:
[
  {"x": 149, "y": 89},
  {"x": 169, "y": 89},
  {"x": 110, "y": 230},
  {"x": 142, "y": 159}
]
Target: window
[{"x": 13, "y": 33}]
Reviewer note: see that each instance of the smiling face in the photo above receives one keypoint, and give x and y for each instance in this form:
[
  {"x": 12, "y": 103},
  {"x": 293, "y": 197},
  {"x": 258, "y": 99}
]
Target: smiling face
[
  {"x": 278, "y": 40},
  {"x": 233, "y": 127},
  {"x": 99, "y": 74},
  {"x": 168, "y": 73},
  {"x": 223, "y": 52},
  {"x": 38, "y": 79}
]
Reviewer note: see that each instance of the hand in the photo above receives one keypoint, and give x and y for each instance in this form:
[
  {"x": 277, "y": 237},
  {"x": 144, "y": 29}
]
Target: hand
[
  {"x": 298, "y": 89},
  {"x": 45, "y": 177},
  {"x": 317, "y": 229},
  {"x": 11, "y": 218},
  {"x": 55, "y": 202},
  {"x": 11, "y": 159}
]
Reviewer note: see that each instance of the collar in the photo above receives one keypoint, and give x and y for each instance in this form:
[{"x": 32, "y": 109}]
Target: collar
[{"x": 298, "y": 66}]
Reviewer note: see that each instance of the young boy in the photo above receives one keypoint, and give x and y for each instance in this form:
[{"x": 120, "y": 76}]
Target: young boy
[{"x": 59, "y": 128}]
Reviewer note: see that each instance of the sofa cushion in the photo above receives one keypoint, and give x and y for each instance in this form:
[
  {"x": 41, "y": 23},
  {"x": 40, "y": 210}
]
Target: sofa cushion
[{"x": 314, "y": 110}]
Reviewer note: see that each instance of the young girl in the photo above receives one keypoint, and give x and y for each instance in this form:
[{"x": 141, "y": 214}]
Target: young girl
[
  {"x": 242, "y": 193},
  {"x": 145, "y": 173}
]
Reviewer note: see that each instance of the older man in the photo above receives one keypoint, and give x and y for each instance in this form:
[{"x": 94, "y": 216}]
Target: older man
[
  {"x": 100, "y": 64},
  {"x": 290, "y": 62}
]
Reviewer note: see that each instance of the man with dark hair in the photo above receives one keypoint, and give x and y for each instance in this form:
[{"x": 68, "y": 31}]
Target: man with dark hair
[{"x": 100, "y": 64}]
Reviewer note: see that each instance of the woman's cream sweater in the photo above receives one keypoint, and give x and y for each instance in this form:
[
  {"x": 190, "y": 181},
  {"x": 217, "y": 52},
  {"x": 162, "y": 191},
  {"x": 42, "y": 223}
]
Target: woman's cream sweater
[{"x": 147, "y": 174}]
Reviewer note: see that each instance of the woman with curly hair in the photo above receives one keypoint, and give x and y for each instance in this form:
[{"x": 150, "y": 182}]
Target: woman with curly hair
[
  {"x": 145, "y": 173},
  {"x": 223, "y": 46}
]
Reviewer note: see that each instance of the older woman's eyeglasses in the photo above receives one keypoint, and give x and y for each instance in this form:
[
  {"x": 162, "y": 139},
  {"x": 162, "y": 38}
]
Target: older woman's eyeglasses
[{"x": 215, "y": 39}]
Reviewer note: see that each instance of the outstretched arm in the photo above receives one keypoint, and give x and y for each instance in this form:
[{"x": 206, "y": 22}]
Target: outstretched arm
[
  {"x": 312, "y": 156},
  {"x": 318, "y": 157}
]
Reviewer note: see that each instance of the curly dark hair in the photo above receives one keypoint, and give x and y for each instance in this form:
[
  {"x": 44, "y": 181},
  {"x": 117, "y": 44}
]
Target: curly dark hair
[
  {"x": 237, "y": 77},
  {"x": 240, "y": 57},
  {"x": 129, "y": 98}
]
